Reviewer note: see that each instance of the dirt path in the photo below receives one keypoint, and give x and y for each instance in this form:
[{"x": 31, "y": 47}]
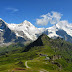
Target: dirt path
[{"x": 26, "y": 64}]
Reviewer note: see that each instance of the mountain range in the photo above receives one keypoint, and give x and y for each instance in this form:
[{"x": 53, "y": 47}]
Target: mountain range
[{"x": 26, "y": 31}]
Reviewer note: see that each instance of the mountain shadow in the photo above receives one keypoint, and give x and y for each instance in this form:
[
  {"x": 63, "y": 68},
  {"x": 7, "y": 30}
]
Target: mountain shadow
[{"x": 42, "y": 40}]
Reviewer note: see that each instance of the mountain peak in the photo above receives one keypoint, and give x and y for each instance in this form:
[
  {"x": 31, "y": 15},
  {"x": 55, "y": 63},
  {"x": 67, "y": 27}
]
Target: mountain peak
[
  {"x": 1, "y": 19},
  {"x": 27, "y": 23},
  {"x": 43, "y": 37}
]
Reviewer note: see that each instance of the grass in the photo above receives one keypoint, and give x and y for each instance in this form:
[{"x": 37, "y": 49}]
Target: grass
[{"x": 13, "y": 57}]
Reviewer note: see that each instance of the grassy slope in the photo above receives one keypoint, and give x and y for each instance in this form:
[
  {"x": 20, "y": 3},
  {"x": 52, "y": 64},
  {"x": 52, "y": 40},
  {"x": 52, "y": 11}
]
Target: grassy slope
[{"x": 36, "y": 55}]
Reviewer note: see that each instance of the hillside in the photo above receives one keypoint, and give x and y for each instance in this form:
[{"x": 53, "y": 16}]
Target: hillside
[{"x": 44, "y": 54}]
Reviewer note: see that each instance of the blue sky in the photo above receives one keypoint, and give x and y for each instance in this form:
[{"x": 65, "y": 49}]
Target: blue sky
[{"x": 16, "y": 11}]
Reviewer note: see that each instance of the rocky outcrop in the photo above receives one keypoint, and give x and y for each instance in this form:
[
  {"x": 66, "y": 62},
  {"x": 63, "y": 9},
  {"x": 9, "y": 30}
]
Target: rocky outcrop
[{"x": 7, "y": 35}]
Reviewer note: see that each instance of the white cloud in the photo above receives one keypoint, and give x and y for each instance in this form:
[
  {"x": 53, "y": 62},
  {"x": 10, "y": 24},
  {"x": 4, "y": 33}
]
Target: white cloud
[
  {"x": 12, "y": 10},
  {"x": 53, "y": 18}
]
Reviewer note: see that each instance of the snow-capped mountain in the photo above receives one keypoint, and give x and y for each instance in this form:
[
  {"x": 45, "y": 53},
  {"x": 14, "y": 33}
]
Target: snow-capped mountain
[
  {"x": 62, "y": 25},
  {"x": 18, "y": 32},
  {"x": 26, "y": 31},
  {"x": 62, "y": 29},
  {"x": 6, "y": 35}
]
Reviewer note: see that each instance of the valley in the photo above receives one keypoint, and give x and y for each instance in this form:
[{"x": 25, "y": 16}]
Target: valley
[{"x": 43, "y": 55}]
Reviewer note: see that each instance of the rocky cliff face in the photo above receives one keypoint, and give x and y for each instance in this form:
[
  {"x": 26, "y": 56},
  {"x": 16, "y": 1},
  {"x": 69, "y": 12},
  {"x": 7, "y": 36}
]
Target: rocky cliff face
[{"x": 6, "y": 35}]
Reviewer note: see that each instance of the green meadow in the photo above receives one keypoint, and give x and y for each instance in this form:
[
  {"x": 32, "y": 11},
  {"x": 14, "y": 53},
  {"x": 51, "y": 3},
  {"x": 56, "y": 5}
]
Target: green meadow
[{"x": 42, "y": 55}]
